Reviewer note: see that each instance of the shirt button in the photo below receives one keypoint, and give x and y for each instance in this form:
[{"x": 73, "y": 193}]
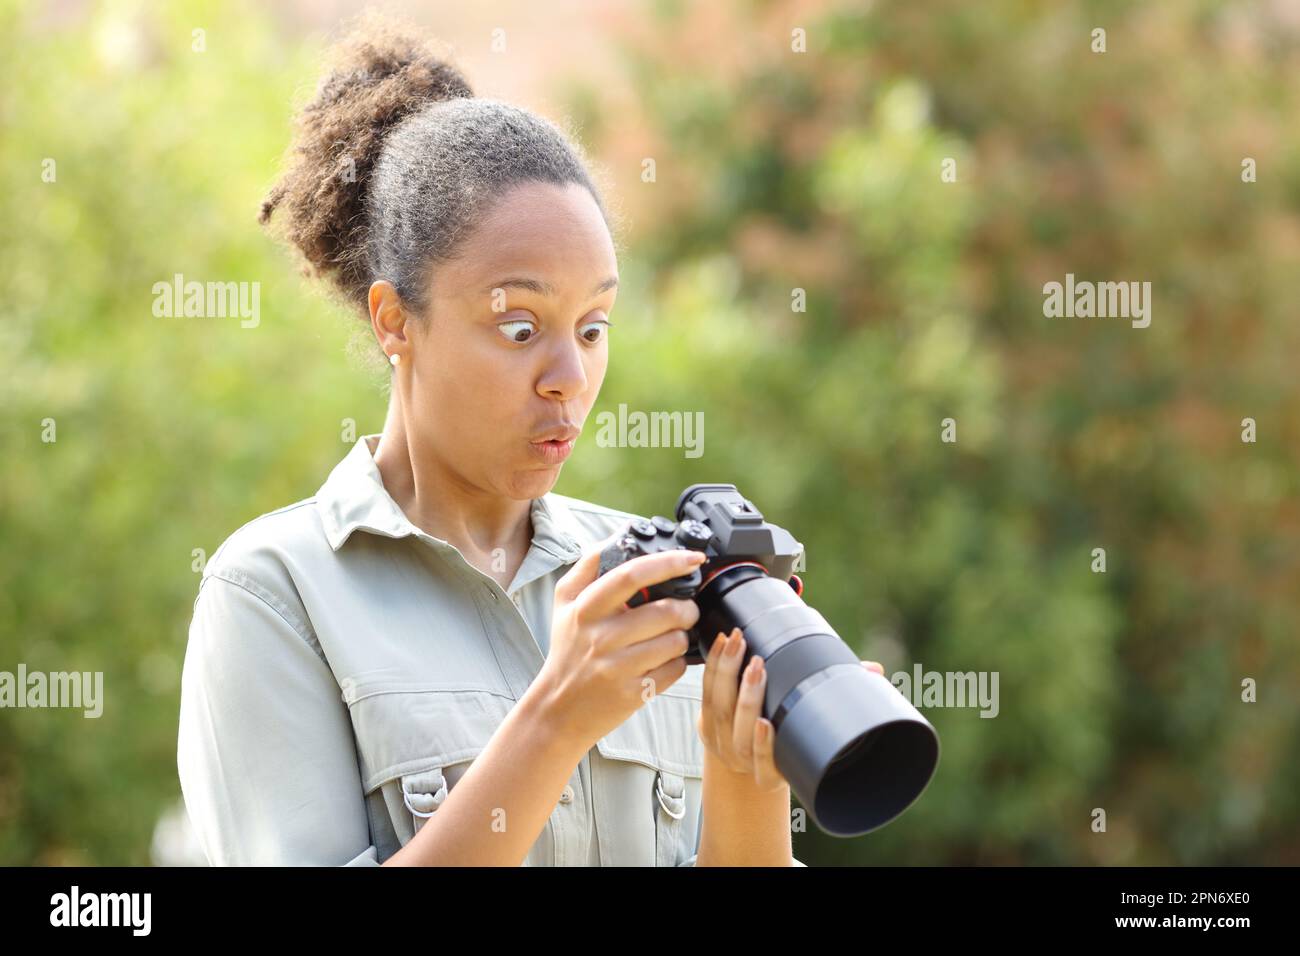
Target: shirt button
[
  {"x": 567, "y": 795},
  {"x": 515, "y": 597}
]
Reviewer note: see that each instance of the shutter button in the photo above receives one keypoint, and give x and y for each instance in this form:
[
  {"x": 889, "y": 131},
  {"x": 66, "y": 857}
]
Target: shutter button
[{"x": 567, "y": 795}]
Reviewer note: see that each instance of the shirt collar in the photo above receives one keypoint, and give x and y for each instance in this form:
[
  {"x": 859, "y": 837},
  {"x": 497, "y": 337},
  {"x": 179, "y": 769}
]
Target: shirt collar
[{"x": 353, "y": 498}]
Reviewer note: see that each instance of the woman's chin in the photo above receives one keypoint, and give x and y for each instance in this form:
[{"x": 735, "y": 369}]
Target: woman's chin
[{"x": 535, "y": 482}]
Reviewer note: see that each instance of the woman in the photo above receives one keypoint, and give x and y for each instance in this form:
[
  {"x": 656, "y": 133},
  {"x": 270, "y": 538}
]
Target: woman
[{"x": 419, "y": 664}]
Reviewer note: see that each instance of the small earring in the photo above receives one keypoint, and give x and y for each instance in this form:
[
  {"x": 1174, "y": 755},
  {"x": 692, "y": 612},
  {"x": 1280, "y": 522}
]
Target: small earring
[{"x": 394, "y": 358}]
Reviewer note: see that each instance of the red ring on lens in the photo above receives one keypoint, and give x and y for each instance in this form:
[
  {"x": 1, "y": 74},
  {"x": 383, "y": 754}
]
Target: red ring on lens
[{"x": 736, "y": 564}]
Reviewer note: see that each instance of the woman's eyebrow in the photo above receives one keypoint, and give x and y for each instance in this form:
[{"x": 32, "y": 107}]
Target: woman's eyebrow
[{"x": 545, "y": 288}]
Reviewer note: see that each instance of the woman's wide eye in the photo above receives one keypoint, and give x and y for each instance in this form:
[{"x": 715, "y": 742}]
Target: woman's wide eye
[
  {"x": 593, "y": 332},
  {"x": 517, "y": 330}
]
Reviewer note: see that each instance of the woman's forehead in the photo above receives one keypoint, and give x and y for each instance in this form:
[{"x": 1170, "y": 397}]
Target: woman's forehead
[{"x": 540, "y": 247}]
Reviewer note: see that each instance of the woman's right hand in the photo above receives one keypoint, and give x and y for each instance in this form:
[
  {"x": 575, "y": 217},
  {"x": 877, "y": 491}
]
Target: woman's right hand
[{"x": 606, "y": 659}]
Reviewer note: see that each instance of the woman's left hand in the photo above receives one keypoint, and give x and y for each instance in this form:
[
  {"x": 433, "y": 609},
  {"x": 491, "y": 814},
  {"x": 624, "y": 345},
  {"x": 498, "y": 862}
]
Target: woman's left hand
[{"x": 731, "y": 724}]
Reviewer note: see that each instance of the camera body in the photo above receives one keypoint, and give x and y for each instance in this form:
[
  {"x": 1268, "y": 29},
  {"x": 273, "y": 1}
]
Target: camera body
[{"x": 718, "y": 520}]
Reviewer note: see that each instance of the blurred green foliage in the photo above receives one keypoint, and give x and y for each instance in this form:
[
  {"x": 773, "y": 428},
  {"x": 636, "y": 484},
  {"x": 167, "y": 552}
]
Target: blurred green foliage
[{"x": 776, "y": 171}]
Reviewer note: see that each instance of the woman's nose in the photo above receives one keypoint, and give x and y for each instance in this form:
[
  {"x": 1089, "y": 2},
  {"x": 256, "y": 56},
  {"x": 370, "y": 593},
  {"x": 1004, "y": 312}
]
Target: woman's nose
[{"x": 565, "y": 375}]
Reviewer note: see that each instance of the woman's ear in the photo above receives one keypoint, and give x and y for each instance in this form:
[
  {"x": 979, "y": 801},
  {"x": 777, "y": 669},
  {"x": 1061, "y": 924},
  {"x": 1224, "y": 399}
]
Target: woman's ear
[{"x": 388, "y": 319}]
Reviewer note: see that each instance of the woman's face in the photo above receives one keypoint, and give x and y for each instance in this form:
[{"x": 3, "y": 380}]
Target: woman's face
[{"x": 514, "y": 345}]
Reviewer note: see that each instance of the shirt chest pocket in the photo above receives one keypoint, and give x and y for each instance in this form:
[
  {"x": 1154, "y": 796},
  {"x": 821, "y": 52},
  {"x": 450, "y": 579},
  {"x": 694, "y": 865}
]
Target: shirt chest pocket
[
  {"x": 415, "y": 743},
  {"x": 647, "y": 775}
]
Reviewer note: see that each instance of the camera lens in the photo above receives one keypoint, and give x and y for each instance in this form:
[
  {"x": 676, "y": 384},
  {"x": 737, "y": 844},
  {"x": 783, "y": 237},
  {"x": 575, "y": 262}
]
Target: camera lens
[{"x": 855, "y": 751}]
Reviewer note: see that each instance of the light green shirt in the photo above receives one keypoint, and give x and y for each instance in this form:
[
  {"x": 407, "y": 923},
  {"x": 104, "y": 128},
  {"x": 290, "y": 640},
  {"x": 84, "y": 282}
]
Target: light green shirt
[{"x": 345, "y": 667}]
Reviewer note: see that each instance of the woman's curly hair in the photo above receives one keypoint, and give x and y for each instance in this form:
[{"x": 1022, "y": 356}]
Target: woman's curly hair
[{"x": 394, "y": 159}]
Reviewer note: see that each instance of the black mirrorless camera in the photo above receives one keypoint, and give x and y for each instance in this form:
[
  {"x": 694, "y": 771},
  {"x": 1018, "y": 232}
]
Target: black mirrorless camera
[{"x": 853, "y": 749}]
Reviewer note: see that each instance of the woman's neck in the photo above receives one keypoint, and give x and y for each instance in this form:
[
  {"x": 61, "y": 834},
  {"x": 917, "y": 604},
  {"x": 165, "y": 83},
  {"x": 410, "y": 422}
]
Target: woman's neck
[{"x": 492, "y": 532}]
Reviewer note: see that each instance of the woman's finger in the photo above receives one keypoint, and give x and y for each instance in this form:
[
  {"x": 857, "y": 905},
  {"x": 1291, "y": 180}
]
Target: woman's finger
[
  {"x": 705, "y": 722},
  {"x": 766, "y": 774},
  {"x": 608, "y": 593},
  {"x": 725, "y": 688},
  {"x": 874, "y": 666},
  {"x": 749, "y": 707}
]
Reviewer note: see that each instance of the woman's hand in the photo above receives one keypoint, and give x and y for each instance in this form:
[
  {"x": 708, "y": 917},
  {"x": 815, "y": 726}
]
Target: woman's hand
[
  {"x": 731, "y": 724},
  {"x": 607, "y": 660}
]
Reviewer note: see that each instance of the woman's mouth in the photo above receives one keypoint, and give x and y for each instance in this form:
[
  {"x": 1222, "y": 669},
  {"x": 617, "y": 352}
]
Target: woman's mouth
[{"x": 552, "y": 451}]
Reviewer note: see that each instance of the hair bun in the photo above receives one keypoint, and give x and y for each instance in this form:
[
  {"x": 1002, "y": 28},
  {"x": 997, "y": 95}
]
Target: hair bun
[
  {"x": 386, "y": 76},
  {"x": 381, "y": 74}
]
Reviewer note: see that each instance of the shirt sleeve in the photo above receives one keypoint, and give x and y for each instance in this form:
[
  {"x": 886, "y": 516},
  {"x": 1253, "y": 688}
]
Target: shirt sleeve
[{"x": 265, "y": 751}]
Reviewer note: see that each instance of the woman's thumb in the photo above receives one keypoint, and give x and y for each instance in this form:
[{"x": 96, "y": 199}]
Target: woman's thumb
[{"x": 584, "y": 571}]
